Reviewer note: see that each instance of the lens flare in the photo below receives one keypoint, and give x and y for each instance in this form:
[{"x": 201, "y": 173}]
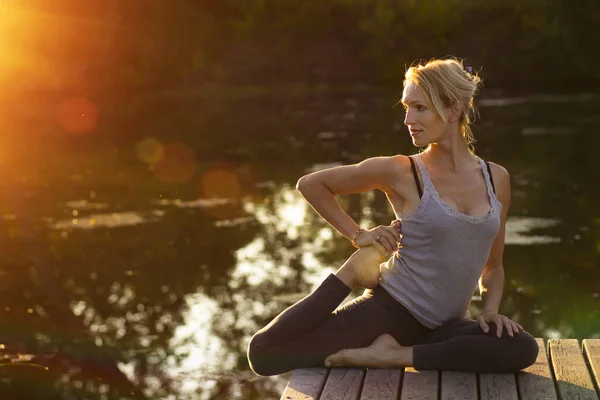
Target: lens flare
[
  {"x": 78, "y": 115},
  {"x": 231, "y": 182},
  {"x": 150, "y": 150},
  {"x": 177, "y": 165},
  {"x": 221, "y": 184}
]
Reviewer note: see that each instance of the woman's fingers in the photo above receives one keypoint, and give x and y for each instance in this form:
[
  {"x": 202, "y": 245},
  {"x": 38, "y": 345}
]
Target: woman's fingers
[
  {"x": 392, "y": 233},
  {"x": 383, "y": 237},
  {"x": 483, "y": 325},
  {"x": 509, "y": 327},
  {"x": 499, "y": 326},
  {"x": 387, "y": 240},
  {"x": 508, "y": 324},
  {"x": 395, "y": 229},
  {"x": 515, "y": 327},
  {"x": 502, "y": 322},
  {"x": 382, "y": 250}
]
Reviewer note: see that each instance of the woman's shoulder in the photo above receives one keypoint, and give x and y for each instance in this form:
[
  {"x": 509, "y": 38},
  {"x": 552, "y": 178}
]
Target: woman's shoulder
[
  {"x": 392, "y": 168},
  {"x": 498, "y": 171},
  {"x": 501, "y": 179},
  {"x": 394, "y": 165}
]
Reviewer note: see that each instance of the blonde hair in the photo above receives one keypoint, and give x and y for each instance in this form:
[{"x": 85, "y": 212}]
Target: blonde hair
[{"x": 445, "y": 83}]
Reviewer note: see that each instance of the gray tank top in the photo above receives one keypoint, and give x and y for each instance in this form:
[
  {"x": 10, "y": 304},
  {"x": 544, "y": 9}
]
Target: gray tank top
[{"x": 444, "y": 252}]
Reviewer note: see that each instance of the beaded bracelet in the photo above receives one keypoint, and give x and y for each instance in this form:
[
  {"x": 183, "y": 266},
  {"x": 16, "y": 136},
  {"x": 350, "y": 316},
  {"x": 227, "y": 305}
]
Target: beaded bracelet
[{"x": 355, "y": 236}]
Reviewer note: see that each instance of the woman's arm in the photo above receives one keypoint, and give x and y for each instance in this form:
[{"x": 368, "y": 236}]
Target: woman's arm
[
  {"x": 491, "y": 283},
  {"x": 319, "y": 190}
]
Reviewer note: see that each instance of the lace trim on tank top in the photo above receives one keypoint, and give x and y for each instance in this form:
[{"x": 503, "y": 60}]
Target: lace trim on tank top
[{"x": 429, "y": 189}]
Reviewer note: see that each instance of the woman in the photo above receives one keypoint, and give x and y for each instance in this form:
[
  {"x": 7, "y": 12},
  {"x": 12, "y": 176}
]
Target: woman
[{"x": 451, "y": 208}]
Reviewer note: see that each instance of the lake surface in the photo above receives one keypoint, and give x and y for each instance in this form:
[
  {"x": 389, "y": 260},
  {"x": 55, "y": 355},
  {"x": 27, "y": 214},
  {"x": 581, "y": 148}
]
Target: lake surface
[{"x": 156, "y": 245}]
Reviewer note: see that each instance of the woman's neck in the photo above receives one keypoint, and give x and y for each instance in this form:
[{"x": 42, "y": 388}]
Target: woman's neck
[{"x": 451, "y": 154}]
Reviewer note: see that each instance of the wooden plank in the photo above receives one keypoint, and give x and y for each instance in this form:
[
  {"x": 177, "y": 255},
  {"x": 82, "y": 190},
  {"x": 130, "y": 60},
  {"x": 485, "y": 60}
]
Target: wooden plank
[
  {"x": 343, "y": 384},
  {"x": 535, "y": 382},
  {"x": 591, "y": 351},
  {"x": 459, "y": 386},
  {"x": 305, "y": 384},
  {"x": 572, "y": 377},
  {"x": 382, "y": 384},
  {"x": 419, "y": 385},
  {"x": 498, "y": 387}
]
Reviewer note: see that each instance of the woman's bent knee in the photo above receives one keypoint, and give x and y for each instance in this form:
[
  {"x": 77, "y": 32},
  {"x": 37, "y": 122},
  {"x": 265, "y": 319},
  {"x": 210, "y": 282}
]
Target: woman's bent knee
[
  {"x": 529, "y": 349},
  {"x": 261, "y": 358},
  {"x": 524, "y": 352}
]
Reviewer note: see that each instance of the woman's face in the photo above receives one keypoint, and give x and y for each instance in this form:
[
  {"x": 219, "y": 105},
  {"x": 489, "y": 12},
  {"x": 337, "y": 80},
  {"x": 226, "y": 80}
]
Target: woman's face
[{"x": 424, "y": 124}]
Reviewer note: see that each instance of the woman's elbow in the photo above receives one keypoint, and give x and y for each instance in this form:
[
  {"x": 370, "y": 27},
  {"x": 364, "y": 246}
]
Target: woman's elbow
[{"x": 305, "y": 182}]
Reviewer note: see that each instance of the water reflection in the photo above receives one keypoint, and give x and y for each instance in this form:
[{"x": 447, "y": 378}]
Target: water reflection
[
  {"x": 518, "y": 230},
  {"x": 201, "y": 353},
  {"x": 544, "y": 98},
  {"x": 127, "y": 218}
]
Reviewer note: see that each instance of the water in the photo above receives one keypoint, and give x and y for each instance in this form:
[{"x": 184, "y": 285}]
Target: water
[{"x": 154, "y": 246}]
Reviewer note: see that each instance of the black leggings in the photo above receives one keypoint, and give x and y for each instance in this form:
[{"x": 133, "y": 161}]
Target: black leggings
[{"x": 307, "y": 332}]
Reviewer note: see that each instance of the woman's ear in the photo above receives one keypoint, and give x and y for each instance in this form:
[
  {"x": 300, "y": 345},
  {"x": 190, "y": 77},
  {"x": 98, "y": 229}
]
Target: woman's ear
[{"x": 454, "y": 112}]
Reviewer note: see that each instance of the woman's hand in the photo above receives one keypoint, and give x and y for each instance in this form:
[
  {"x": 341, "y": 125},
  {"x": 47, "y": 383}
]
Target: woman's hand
[
  {"x": 500, "y": 321},
  {"x": 383, "y": 238}
]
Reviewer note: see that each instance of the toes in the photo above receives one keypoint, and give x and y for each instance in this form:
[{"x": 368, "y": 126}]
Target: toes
[
  {"x": 334, "y": 360},
  {"x": 330, "y": 363}
]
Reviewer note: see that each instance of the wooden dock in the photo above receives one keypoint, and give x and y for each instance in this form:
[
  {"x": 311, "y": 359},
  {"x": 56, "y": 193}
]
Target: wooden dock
[{"x": 565, "y": 371}]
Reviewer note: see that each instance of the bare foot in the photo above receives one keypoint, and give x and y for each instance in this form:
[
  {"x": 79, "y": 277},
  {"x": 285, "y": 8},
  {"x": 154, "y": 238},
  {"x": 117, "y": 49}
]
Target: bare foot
[
  {"x": 362, "y": 268},
  {"x": 384, "y": 352}
]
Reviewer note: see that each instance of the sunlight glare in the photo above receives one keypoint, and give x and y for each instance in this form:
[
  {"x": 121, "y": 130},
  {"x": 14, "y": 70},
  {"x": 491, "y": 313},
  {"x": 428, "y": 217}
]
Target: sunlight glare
[{"x": 200, "y": 350}]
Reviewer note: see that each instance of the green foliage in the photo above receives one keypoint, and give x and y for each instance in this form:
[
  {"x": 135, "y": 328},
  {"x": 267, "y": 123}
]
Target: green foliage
[
  {"x": 159, "y": 44},
  {"x": 265, "y": 41}
]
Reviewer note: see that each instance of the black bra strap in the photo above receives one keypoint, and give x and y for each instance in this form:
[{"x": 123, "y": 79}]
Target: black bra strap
[
  {"x": 414, "y": 170},
  {"x": 490, "y": 174}
]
